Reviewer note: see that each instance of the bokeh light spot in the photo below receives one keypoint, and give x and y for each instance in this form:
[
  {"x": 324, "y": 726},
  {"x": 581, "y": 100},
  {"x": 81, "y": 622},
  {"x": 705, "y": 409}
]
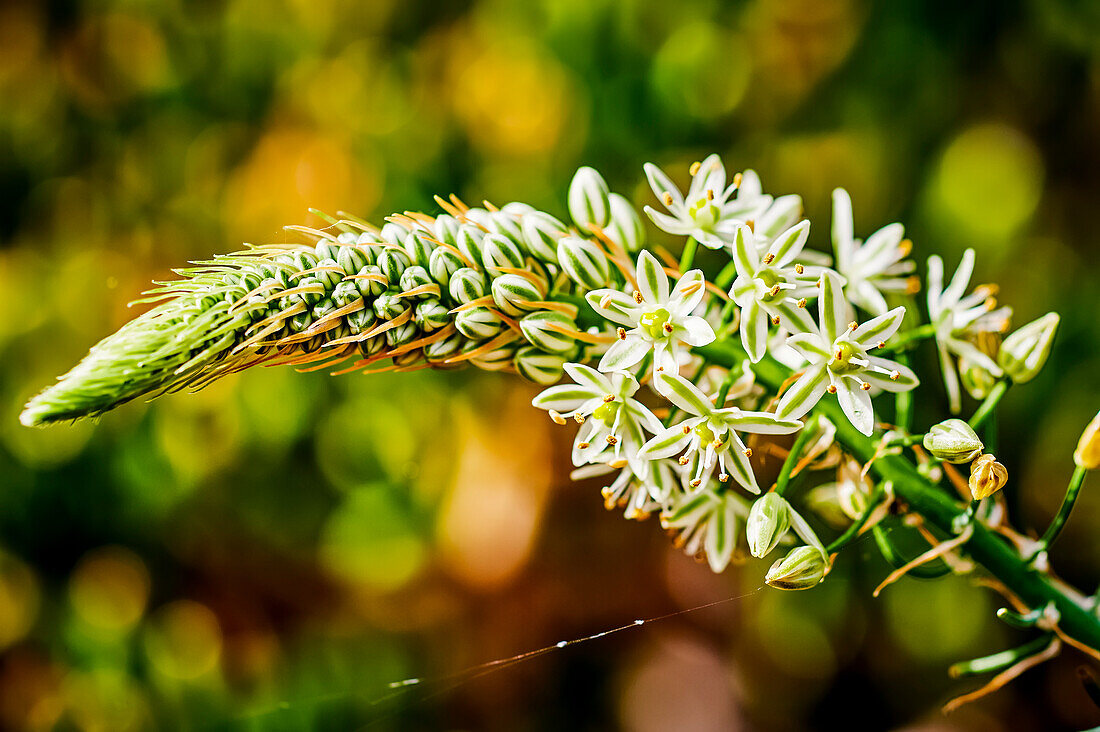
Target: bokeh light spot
[
  {"x": 184, "y": 640},
  {"x": 109, "y": 589}
]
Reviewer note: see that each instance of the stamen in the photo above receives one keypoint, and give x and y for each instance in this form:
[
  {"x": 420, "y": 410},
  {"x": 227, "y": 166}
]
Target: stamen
[
  {"x": 880, "y": 344},
  {"x": 865, "y": 386},
  {"x": 912, "y": 285},
  {"x": 686, "y": 429},
  {"x": 799, "y": 269},
  {"x": 802, "y": 303},
  {"x": 775, "y": 290},
  {"x": 618, "y": 463},
  {"x": 668, "y": 199},
  {"x": 839, "y": 355},
  {"x": 696, "y": 483},
  {"x": 769, "y": 258},
  {"x": 683, "y": 460},
  {"x": 608, "y": 398},
  {"x": 895, "y": 375},
  {"x": 990, "y": 303},
  {"x": 668, "y": 328},
  {"x": 723, "y": 477},
  {"x": 905, "y": 246},
  {"x": 737, "y": 180},
  {"x": 638, "y": 297},
  {"x": 831, "y": 388},
  {"x": 747, "y": 452},
  {"x": 605, "y": 301},
  {"x": 775, "y": 320},
  {"x": 752, "y": 225},
  {"x": 694, "y": 169},
  {"x": 621, "y": 332},
  {"x": 578, "y": 418},
  {"x": 853, "y": 325},
  {"x": 613, "y": 440},
  {"x": 584, "y": 445},
  {"x": 556, "y": 416}
]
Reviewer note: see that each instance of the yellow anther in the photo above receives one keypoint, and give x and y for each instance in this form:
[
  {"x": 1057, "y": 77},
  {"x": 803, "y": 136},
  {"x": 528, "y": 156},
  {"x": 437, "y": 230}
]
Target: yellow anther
[
  {"x": 723, "y": 477},
  {"x": 683, "y": 460},
  {"x": 990, "y": 303},
  {"x": 578, "y": 418},
  {"x": 668, "y": 199},
  {"x": 556, "y": 416},
  {"x": 775, "y": 320},
  {"x": 831, "y": 388},
  {"x": 769, "y": 258},
  {"x": 612, "y": 440},
  {"x": 694, "y": 169},
  {"x": 747, "y": 452},
  {"x": 853, "y": 325},
  {"x": 584, "y": 445},
  {"x": 775, "y": 290},
  {"x": 880, "y": 344},
  {"x": 752, "y": 225},
  {"x": 895, "y": 375},
  {"x": 638, "y": 297},
  {"x": 802, "y": 303},
  {"x": 668, "y": 327},
  {"x": 912, "y": 285},
  {"x": 619, "y": 463},
  {"x": 605, "y": 301},
  {"x": 696, "y": 483},
  {"x": 905, "y": 247},
  {"x": 737, "y": 180},
  {"x": 865, "y": 386},
  {"x": 608, "y": 398},
  {"x": 686, "y": 429},
  {"x": 621, "y": 332},
  {"x": 799, "y": 269},
  {"x": 710, "y": 195}
]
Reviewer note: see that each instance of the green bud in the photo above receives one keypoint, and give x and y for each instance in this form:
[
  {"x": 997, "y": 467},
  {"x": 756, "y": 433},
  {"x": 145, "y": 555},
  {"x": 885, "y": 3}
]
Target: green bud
[
  {"x": 1024, "y": 352},
  {"x": 506, "y": 225},
  {"x": 444, "y": 348},
  {"x": 499, "y": 252},
  {"x": 394, "y": 234},
  {"x": 467, "y": 285},
  {"x": 584, "y": 263},
  {"x": 361, "y": 321},
  {"x": 469, "y": 243},
  {"x": 431, "y": 315},
  {"x": 588, "y": 203},
  {"x": 539, "y": 366},
  {"x": 328, "y": 278},
  {"x": 372, "y": 346},
  {"x": 393, "y": 262},
  {"x": 626, "y": 228},
  {"x": 402, "y": 334},
  {"x": 419, "y": 248},
  {"x": 768, "y": 522},
  {"x": 803, "y": 567},
  {"x": 371, "y": 241},
  {"x": 478, "y": 323},
  {"x": 351, "y": 259},
  {"x": 370, "y": 288},
  {"x": 442, "y": 264},
  {"x": 345, "y": 293},
  {"x": 512, "y": 292},
  {"x": 953, "y": 441},
  {"x": 495, "y": 360},
  {"x": 389, "y": 305},
  {"x": 1087, "y": 454},
  {"x": 977, "y": 380},
  {"x": 543, "y": 330},
  {"x": 328, "y": 249},
  {"x": 987, "y": 476},
  {"x": 541, "y": 232},
  {"x": 446, "y": 229},
  {"x": 413, "y": 277}
]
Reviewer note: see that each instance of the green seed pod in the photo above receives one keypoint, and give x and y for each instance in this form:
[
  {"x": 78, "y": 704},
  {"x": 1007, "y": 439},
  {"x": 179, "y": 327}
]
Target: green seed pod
[
  {"x": 431, "y": 315},
  {"x": 372, "y": 346},
  {"x": 300, "y": 322},
  {"x": 310, "y": 297},
  {"x": 626, "y": 228},
  {"x": 469, "y": 243},
  {"x": 506, "y": 225},
  {"x": 1087, "y": 454},
  {"x": 370, "y": 240},
  {"x": 539, "y": 366},
  {"x": 446, "y": 229},
  {"x": 402, "y": 334},
  {"x": 512, "y": 293},
  {"x": 444, "y": 348},
  {"x": 413, "y": 277},
  {"x": 368, "y": 288},
  {"x": 419, "y": 248},
  {"x": 478, "y": 323},
  {"x": 345, "y": 293},
  {"x": 393, "y": 262},
  {"x": 443, "y": 264},
  {"x": 767, "y": 524},
  {"x": 953, "y": 441},
  {"x": 987, "y": 476},
  {"x": 541, "y": 232},
  {"x": 542, "y": 329},
  {"x": 588, "y": 202},
  {"x": 500, "y": 252},
  {"x": 496, "y": 360},
  {"x": 389, "y": 305},
  {"x": 327, "y": 277},
  {"x": 977, "y": 380},
  {"x": 351, "y": 259},
  {"x": 584, "y": 262},
  {"x": 467, "y": 285},
  {"x": 1024, "y": 353},
  {"x": 394, "y": 234},
  {"x": 361, "y": 321},
  {"x": 803, "y": 567}
]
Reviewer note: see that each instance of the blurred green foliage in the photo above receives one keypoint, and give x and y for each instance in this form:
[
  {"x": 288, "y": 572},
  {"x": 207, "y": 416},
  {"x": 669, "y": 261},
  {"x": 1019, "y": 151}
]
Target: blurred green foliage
[{"x": 270, "y": 553}]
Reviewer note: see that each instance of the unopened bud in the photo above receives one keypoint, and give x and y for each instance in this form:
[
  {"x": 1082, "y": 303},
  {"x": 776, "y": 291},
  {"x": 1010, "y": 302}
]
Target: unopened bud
[
  {"x": 768, "y": 522},
  {"x": 584, "y": 262},
  {"x": 977, "y": 380},
  {"x": 479, "y": 323},
  {"x": 953, "y": 441},
  {"x": 541, "y": 232},
  {"x": 626, "y": 228},
  {"x": 588, "y": 199},
  {"x": 512, "y": 293},
  {"x": 803, "y": 567},
  {"x": 498, "y": 251},
  {"x": 1087, "y": 454},
  {"x": 539, "y": 366},
  {"x": 543, "y": 329},
  {"x": 1024, "y": 352},
  {"x": 987, "y": 476}
]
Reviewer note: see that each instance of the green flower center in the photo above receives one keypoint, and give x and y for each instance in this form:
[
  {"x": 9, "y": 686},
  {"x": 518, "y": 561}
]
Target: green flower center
[
  {"x": 654, "y": 321},
  {"x": 704, "y": 213},
  {"x": 706, "y": 434},
  {"x": 842, "y": 359},
  {"x": 606, "y": 412}
]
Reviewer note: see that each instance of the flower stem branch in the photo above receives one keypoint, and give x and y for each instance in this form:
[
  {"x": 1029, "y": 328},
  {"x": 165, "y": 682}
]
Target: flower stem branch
[
  {"x": 688, "y": 257},
  {"x": 1055, "y": 528},
  {"x": 903, "y": 341},
  {"x": 985, "y": 409},
  {"x": 799, "y": 446},
  {"x": 853, "y": 531}
]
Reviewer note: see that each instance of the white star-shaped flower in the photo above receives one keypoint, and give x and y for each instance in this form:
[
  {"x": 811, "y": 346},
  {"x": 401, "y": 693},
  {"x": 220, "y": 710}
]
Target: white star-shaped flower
[
  {"x": 658, "y": 319},
  {"x": 707, "y": 521},
  {"x": 873, "y": 267},
  {"x": 839, "y": 362}
]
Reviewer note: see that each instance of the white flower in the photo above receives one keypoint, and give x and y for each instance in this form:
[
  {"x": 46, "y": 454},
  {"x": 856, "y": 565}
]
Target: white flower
[
  {"x": 637, "y": 496},
  {"x": 710, "y": 210},
  {"x": 712, "y": 433},
  {"x": 957, "y": 318},
  {"x": 771, "y": 288},
  {"x": 659, "y": 320},
  {"x": 612, "y": 420},
  {"x": 873, "y": 267},
  {"x": 707, "y": 521},
  {"x": 839, "y": 362}
]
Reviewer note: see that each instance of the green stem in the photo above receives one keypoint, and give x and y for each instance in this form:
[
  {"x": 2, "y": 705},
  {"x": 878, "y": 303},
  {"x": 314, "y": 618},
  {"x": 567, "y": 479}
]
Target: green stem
[
  {"x": 902, "y": 341},
  {"x": 688, "y": 257},
  {"x": 724, "y": 389},
  {"x": 804, "y": 436},
  {"x": 1055, "y": 528},
  {"x": 853, "y": 531},
  {"x": 726, "y": 276},
  {"x": 890, "y": 553},
  {"x": 903, "y": 402},
  {"x": 1000, "y": 661},
  {"x": 985, "y": 409},
  {"x": 905, "y": 441},
  {"x": 985, "y": 547}
]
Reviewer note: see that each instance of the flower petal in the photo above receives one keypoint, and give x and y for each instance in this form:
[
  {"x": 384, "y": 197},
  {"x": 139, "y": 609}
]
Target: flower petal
[
  {"x": 688, "y": 293},
  {"x": 745, "y": 257},
  {"x": 671, "y": 224},
  {"x": 668, "y": 442},
  {"x": 652, "y": 280},
  {"x": 879, "y": 329},
  {"x": 811, "y": 346},
  {"x": 843, "y": 245},
  {"x": 881, "y": 249},
  {"x": 804, "y": 393},
  {"x": 832, "y": 305},
  {"x": 661, "y": 185},
  {"x": 906, "y": 378},
  {"x": 624, "y": 353},
  {"x": 856, "y": 404},
  {"x": 695, "y": 331},
  {"x": 760, "y": 423},
  {"x": 589, "y": 378},
  {"x": 867, "y": 296},
  {"x": 683, "y": 394},
  {"x": 740, "y": 467},
  {"x": 754, "y": 330},
  {"x": 781, "y": 215},
  {"x": 788, "y": 245},
  {"x": 564, "y": 398},
  {"x": 721, "y": 536},
  {"x": 960, "y": 280},
  {"x": 616, "y": 306},
  {"x": 711, "y": 177}
]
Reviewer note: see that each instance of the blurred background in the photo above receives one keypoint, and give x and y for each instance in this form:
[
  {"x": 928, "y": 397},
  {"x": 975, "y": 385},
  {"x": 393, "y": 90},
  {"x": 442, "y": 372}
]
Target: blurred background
[{"x": 272, "y": 552}]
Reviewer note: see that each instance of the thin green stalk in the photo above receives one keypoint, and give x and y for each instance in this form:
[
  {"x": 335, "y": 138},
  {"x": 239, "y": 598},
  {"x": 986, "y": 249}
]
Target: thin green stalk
[
  {"x": 784, "y": 479},
  {"x": 985, "y": 409},
  {"x": 891, "y": 554},
  {"x": 905, "y": 441},
  {"x": 688, "y": 257},
  {"x": 985, "y": 547},
  {"x": 724, "y": 388},
  {"x": 1001, "y": 661},
  {"x": 853, "y": 531},
  {"x": 1055, "y": 528},
  {"x": 726, "y": 276},
  {"x": 903, "y": 402}
]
